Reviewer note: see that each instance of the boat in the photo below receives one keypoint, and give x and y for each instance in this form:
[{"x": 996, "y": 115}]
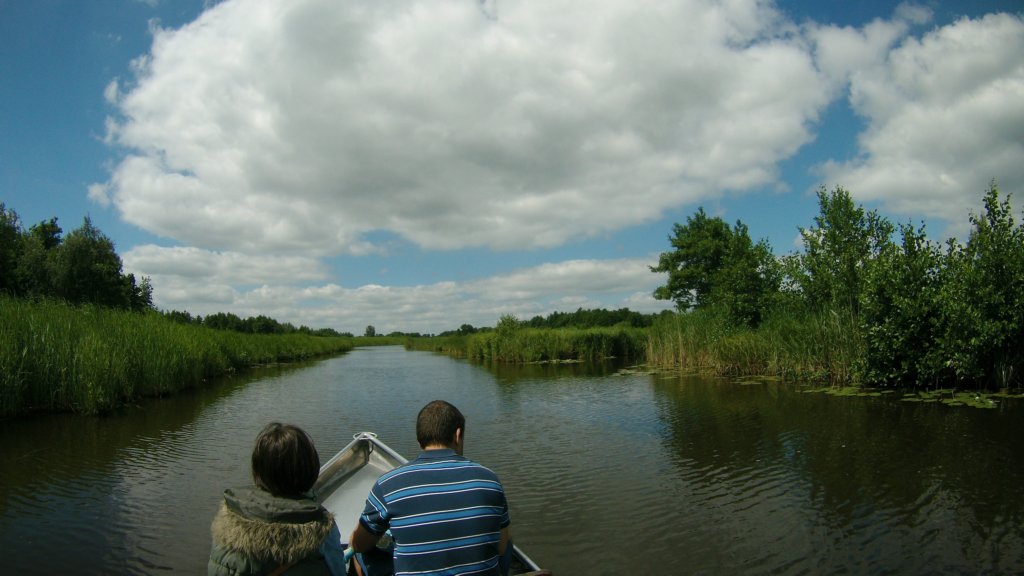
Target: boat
[{"x": 345, "y": 481}]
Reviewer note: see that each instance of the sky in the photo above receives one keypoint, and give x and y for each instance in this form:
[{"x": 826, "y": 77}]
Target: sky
[{"x": 420, "y": 165}]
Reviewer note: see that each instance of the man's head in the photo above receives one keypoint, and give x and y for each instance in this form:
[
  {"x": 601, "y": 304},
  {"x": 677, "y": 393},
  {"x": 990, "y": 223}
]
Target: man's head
[
  {"x": 284, "y": 461},
  {"x": 440, "y": 424}
]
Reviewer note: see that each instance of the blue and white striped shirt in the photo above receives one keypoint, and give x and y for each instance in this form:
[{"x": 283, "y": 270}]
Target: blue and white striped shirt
[{"x": 445, "y": 513}]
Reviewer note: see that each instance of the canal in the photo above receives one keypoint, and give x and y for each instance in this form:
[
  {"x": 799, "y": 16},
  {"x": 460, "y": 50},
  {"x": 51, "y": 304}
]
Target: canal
[{"x": 607, "y": 471}]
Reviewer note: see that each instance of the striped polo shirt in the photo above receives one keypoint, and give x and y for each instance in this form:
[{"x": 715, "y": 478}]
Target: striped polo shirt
[{"x": 445, "y": 513}]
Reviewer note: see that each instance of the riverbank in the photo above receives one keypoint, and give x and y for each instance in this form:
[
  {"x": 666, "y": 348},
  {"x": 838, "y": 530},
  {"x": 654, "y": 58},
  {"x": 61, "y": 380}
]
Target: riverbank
[
  {"x": 817, "y": 348},
  {"x": 89, "y": 359},
  {"x": 523, "y": 345},
  {"x": 810, "y": 348}
]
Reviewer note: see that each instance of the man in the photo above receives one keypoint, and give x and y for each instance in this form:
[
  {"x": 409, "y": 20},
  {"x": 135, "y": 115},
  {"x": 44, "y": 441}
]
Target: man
[{"x": 445, "y": 513}]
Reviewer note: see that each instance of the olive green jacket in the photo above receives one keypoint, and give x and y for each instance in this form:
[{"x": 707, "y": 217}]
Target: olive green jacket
[{"x": 256, "y": 533}]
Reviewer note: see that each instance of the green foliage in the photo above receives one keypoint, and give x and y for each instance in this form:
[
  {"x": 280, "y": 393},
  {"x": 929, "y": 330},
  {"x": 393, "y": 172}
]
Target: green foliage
[
  {"x": 54, "y": 356},
  {"x": 36, "y": 265},
  {"x": 900, "y": 311},
  {"x": 513, "y": 342},
  {"x": 791, "y": 343},
  {"x": 838, "y": 252},
  {"x": 10, "y": 232},
  {"x": 82, "y": 268},
  {"x": 982, "y": 302},
  {"x": 586, "y": 318},
  {"x": 88, "y": 269},
  {"x": 712, "y": 264},
  {"x": 858, "y": 308}
]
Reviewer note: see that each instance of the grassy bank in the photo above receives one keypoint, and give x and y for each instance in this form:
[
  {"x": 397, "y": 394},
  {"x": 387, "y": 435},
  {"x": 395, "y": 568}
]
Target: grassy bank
[
  {"x": 522, "y": 345},
  {"x": 806, "y": 346},
  {"x": 89, "y": 359}
]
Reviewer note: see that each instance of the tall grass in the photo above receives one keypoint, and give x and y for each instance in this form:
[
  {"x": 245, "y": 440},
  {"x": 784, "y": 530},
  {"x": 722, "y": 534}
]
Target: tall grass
[
  {"x": 524, "y": 345},
  {"x": 822, "y": 346},
  {"x": 58, "y": 357},
  {"x": 553, "y": 344},
  {"x": 451, "y": 345}
]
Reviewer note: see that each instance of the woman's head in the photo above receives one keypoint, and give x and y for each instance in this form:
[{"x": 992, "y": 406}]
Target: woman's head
[{"x": 284, "y": 460}]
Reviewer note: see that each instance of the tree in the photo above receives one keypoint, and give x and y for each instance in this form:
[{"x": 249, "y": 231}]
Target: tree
[
  {"x": 35, "y": 270},
  {"x": 699, "y": 250},
  {"x": 712, "y": 264},
  {"x": 140, "y": 295},
  {"x": 983, "y": 306},
  {"x": 223, "y": 321},
  {"x": 900, "y": 312},
  {"x": 88, "y": 269},
  {"x": 838, "y": 251},
  {"x": 370, "y": 331},
  {"x": 10, "y": 248}
]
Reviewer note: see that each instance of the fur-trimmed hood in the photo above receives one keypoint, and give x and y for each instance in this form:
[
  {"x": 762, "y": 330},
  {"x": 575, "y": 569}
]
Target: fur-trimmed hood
[{"x": 270, "y": 529}]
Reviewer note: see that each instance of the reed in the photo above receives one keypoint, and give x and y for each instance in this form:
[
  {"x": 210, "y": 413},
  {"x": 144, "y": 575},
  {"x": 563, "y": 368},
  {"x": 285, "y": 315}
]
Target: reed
[
  {"x": 825, "y": 346},
  {"x": 450, "y": 345},
  {"x": 525, "y": 345},
  {"x": 58, "y": 357}
]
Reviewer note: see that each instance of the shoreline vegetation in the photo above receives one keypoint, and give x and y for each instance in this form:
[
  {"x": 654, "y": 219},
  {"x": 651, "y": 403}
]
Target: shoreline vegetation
[
  {"x": 56, "y": 357},
  {"x": 865, "y": 305},
  {"x": 855, "y": 310}
]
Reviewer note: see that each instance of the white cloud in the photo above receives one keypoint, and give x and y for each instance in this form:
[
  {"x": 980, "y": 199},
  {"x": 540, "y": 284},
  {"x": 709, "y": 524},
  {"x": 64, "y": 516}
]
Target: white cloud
[
  {"x": 290, "y": 289},
  {"x": 269, "y": 135},
  {"x": 945, "y": 115},
  {"x": 302, "y": 125}
]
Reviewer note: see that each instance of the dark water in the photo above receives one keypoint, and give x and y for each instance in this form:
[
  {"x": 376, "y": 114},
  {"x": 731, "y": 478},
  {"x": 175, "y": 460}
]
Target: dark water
[{"x": 606, "y": 473}]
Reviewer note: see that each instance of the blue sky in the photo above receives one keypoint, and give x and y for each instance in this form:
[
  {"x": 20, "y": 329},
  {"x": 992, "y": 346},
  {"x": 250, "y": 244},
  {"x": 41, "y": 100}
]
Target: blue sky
[{"x": 420, "y": 165}]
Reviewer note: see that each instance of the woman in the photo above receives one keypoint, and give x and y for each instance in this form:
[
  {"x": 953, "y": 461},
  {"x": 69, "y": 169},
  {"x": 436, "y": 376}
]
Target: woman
[{"x": 276, "y": 527}]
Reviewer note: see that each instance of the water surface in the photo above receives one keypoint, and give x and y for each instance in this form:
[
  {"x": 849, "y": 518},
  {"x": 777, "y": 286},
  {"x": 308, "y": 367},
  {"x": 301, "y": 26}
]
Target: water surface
[{"x": 606, "y": 472}]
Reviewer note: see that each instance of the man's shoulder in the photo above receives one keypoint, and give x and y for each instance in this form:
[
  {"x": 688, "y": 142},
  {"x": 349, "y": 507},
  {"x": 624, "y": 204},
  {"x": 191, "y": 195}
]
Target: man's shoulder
[{"x": 415, "y": 471}]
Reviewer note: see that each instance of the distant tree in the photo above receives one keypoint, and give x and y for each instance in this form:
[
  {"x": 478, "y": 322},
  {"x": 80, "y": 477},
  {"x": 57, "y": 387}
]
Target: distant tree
[
  {"x": 261, "y": 325},
  {"x": 223, "y": 321},
  {"x": 180, "y": 317},
  {"x": 370, "y": 331},
  {"x": 138, "y": 295}
]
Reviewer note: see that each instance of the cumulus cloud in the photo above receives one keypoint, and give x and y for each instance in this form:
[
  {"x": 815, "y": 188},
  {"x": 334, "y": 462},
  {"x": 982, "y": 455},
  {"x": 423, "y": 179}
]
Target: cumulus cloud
[
  {"x": 303, "y": 125},
  {"x": 291, "y": 289},
  {"x": 269, "y": 135},
  {"x": 945, "y": 115}
]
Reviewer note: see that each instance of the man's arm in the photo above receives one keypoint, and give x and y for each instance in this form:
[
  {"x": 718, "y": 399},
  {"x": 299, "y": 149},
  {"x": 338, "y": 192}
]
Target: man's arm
[
  {"x": 506, "y": 535},
  {"x": 362, "y": 539}
]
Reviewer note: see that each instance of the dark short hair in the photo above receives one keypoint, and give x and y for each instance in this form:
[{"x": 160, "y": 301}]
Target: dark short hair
[
  {"x": 284, "y": 460},
  {"x": 437, "y": 423}
]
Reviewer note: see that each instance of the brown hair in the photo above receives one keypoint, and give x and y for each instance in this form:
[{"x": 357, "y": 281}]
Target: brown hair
[
  {"x": 284, "y": 460},
  {"x": 437, "y": 423}
]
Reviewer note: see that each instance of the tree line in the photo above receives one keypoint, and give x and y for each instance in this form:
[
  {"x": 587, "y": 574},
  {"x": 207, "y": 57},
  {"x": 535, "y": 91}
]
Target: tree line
[
  {"x": 83, "y": 267},
  {"x": 252, "y": 325},
  {"x": 928, "y": 313},
  {"x": 80, "y": 268},
  {"x": 581, "y": 318}
]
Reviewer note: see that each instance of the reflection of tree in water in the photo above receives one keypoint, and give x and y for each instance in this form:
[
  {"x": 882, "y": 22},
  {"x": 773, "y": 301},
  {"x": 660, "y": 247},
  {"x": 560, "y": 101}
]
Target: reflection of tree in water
[{"x": 865, "y": 472}]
